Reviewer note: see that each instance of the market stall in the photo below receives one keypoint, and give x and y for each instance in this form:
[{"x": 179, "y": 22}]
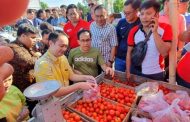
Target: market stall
[{"x": 119, "y": 100}]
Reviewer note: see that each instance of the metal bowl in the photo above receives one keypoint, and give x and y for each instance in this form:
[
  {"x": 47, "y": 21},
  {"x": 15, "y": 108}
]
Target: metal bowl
[{"x": 41, "y": 90}]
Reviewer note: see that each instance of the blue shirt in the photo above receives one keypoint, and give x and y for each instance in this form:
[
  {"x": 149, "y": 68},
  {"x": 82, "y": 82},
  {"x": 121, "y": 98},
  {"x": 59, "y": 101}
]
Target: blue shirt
[
  {"x": 187, "y": 18},
  {"x": 122, "y": 29},
  {"x": 57, "y": 21},
  {"x": 37, "y": 22}
]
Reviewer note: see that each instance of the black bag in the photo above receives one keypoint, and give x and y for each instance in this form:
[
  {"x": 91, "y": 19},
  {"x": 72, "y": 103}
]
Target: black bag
[{"x": 139, "y": 51}]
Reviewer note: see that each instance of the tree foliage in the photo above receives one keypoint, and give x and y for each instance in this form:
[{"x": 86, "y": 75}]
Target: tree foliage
[
  {"x": 84, "y": 8},
  {"x": 43, "y": 5},
  {"x": 118, "y": 6}
]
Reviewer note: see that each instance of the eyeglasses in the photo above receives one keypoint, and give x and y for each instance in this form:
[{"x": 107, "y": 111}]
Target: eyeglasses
[
  {"x": 91, "y": 4},
  {"x": 72, "y": 14},
  {"x": 128, "y": 13},
  {"x": 87, "y": 40}
]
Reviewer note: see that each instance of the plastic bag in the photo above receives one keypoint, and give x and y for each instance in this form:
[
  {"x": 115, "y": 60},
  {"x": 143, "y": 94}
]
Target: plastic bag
[
  {"x": 91, "y": 94},
  {"x": 153, "y": 103},
  {"x": 183, "y": 96},
  {"x": 137, "y": 119},
  {"x": 173, "y": 113},
  {"x": 147, "y": 88}
]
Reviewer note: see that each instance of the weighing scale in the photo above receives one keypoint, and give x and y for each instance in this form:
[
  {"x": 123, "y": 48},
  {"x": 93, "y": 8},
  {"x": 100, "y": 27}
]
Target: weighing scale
[{"x": 48, "y": 108}]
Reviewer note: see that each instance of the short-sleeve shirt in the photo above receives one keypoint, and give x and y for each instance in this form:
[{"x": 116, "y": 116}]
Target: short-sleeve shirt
[
  {"x": 153, "y": 62},
  {"x": 87, "y": 63},
  {"x": 183, "y": 67},
  {"x": 72, "y": 31},
  {"x": 12, "y": 104},
  {"x": 104, "y": 38},
  {"x": 57, "y": 21},
  {"x": 49, "y": 67},
  {"x": 122, "y": 29}
]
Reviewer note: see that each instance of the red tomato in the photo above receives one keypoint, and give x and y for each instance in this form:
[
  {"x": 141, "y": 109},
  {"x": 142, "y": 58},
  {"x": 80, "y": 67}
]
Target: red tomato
[
  {"x": 122, "y": 116},
  {"x": 117, "y": 113},
  {"x": 109, "y": 118},
  {"x": 112, "y": 112},
  {"x": 77, "y": 117},
  {"x": 10, "y": 10}
]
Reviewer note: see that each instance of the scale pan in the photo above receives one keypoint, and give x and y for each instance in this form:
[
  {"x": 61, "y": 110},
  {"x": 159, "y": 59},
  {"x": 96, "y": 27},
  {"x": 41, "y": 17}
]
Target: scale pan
[{"x": 41, "y": 90}]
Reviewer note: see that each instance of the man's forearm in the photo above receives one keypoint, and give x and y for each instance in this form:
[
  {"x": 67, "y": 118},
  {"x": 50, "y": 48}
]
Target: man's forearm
[
  {"x": 66, "y": 90},
  {"x": 128, "y": 62},
  {"x": 163, "y": 47},
  {"x": 76, "y": 77},
  {"x": 113, "y": 52},
  {"x": 104, "y": 67}
]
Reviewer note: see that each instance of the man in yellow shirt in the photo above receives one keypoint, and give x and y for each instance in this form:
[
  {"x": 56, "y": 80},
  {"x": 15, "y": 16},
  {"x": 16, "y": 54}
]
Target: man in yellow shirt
[{"x": 53, "y": 65}]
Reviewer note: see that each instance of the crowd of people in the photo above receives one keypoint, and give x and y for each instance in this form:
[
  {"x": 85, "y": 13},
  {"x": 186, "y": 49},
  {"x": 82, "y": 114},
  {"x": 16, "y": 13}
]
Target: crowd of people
[{"x": 58, "y": 44}]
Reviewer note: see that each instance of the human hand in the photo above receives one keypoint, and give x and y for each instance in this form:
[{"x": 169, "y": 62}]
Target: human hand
[
  {"x": 154, "y": 24},
  {"x": 23, "y": 114},
  {"x": 90, "y": 78},
  {"x": 86, "y": 85},
  {"x": 109, "y": 71},
  {"x": 128, "y": 76},
  {"x": 109, "y": 64}
]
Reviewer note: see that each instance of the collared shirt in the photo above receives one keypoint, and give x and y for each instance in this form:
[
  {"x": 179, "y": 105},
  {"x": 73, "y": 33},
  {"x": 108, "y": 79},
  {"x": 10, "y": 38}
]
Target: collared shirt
[
  {"x": 72, "y": 31},
  {"x": 104, "y": 38},
  {"x": 49, "y": 67},
  {"x": 153, "y": 61},
  {"x": 122, "y": 29},
  {"x": 23, "y": 64}
]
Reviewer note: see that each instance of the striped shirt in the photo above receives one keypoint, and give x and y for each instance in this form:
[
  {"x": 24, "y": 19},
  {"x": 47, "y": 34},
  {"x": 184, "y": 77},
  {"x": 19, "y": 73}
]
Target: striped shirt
[{"x": 104, "y": 38}]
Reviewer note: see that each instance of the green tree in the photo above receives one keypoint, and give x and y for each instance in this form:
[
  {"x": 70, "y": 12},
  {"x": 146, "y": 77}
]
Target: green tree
[
  {"x": 43, "y": 5},
  {"x": 118, "y": 6},
  {"x": 84, "y": 8}
]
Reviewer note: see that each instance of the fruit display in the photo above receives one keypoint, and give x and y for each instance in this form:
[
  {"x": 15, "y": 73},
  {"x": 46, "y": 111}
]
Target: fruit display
[
  {"x": 102, "y": 110},
  {"x": 119, "y": 94},
  {"x": 71, "y": 117},
  {"x": 129, "y": 83},
  {"x": 117, "y": 101}
]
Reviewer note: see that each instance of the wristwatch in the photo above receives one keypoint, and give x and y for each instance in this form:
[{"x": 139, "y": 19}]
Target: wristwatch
[{"x": 111, "y": 61}]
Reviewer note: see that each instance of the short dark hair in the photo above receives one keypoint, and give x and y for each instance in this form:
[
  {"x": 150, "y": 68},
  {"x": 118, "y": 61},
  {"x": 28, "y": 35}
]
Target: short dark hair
[
  {"x": 71, "y": 6},
  {"x": 151, "y": 3},
  {"x": 134, "y": 3},
  {"x": 99, "y": 7},
  {"x": 26, "y": 29},
  {"x": 29, "y": 11},
  {"x": 55, "y": 35},
  {"x": 54, "y": 9},
  {"x": 47, "y": 11},
  {"x": 39, "y": 12},
  {"x": 83, "y": 31},
  {"x": 46, "y": 25},
  {"x": 46, "y": 31},
  {"x": 63, "y": 6}
]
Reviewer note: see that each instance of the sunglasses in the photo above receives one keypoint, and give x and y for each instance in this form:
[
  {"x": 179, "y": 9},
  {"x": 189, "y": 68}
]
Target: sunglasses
[{"x": 91, "y": 4}]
